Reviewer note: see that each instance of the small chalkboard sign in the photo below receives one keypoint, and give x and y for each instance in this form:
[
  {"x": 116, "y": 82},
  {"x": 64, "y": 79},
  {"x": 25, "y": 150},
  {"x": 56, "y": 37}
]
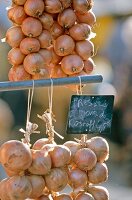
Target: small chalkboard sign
[{"x": 90, "y": 114}]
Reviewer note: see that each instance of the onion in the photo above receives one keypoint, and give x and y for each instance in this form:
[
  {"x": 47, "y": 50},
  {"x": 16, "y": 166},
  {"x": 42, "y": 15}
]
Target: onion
[
  {"x": 66, "y": 3},
  {"x": 31, "y": 27},
  {"x": 44, "y": 74},
  {"x": 34, "y": 8},
  {"x": 73, "y": 146},
  {"x": 98, "y": 174},
  {"x": 38, "y": 184},
  {"x": 46, "y": 20},
  {"x": 67, "y": 18},
  {"x": 41, "y": 163},
  {"x": 47, "y": 56},
  {"x": 19, "y": 187},
  {"x": 82, "y": 6},
  {"x": 29, "y": 45},
  {"x": 85, "y": 49},
  {"x": 56, "y": 180},
  {"x": 19, "y": 2},
  {"x": 72, "y": 64},
  {"x": 45, "y": 39},
  {"x": 12, "y": 173},
  {"x": 64, "y": 45},
  {"x": 33, "y": 63},
  {"x": 77, "y": 178},
  {"x": 80, "y": 31},
  {"x": 17, "y": 14},
  {"x": 99, "y": 192},
  {"x": 84, "y": 196},
  {"x": 14, "y": 36},
  {"x": 40, "y": 143},
  {"x": 18, "y": 73},
  {"x": 15, "y": 155},
  {"x": 57, "y": 152},
  {"x": 57, "y": 72},
  {"x": 3, "y": 190},
  {"x": 88, "y": 18},
  {"x": 56, "y": 30},
  {"x": 85, "y": 159},
  {"x": 62, "y": 197},
  {"x": 55, "y": 58},
  {"x": 44, "y": 197},
  {"x": 15, "y": 56},
  {"x": 89, "y": 66},
  {"x": 47, "y": 147},
  {"x": 53, "y": 6}
]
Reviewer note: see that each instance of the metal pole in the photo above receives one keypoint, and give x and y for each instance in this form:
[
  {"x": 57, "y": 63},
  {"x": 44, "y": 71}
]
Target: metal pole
[{"x": 23, "y": 85}]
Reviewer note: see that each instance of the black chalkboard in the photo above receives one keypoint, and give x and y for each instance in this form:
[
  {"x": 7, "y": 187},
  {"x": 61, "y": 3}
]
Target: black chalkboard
[{"x": 90, "y": 114}]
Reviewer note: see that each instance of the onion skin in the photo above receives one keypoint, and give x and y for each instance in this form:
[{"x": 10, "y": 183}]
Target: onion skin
[
  {"x": 85, "y": 159},
  {"x": 67, "y": 18},
  {"x": 80, "y": 31},
  {"x": 66, "y": 3},
  {"x": 72, "y": 64},
  {"x": 62, "y": 197},
  {"x": 53, "y": 6},
  {"x": 73, "y": 146},
  {"x": 47, "y": 56},
  {"x": 40, "y": 143},
  {"x": 33, "y": 63},
  {"x": 41, "y": 163},
  {"x": 46, "y": 20},
  {"x": 85, "y": 49},
  {"x": 31, "y": 27},
  {"x": 15, "y": 56},
  {"x": 57, "y": 72},
  {"x": 16, "y": 14},
  {"x": 77, "y": 178},
  {"x": 3, "y": 190},
  {"x": 56, "y": 30},
  {"x": 19, "y": 187},
  {"x": 34, "y": 8},
  {"x": 15, "y": 155},
  {"x": 88, "y": 18},
  {"x": 47, "y": 147},
  {"x": 100, "y": 147},
  {"x": 56, "y": 180},
  {"x": 44, "y": 74},
  {"x": 18, "y": 73},
  {"x": 19, "y": 2},
  {"x": 84, "y": 196},
  {"x": 55, "y": 58},
  {"x": 38, "y": 184},
  {"x": 57, "y": 152},
  {"x": 44, "y": 197},
  {"x": 82, "y": 6},
  {"x": 99, "y": 192},
  {"x": 45, "y": 39},
  {"x": 29, "y": 45},
  {"x": 89, "y": 66},
  {"x": 14, "y": 36},
  {"x": 98, "y": 174}
]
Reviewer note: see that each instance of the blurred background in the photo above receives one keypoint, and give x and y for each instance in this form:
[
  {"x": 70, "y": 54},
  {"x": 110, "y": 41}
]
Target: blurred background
[{"x": 113, "y": 60}]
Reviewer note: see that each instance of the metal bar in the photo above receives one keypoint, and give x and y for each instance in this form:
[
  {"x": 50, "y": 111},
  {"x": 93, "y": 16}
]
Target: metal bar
[{"x": 23, "y": 85}]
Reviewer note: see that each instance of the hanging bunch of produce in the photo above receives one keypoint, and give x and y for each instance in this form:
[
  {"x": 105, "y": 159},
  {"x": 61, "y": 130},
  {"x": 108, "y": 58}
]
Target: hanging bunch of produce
[{"x": 50, "y": 39}]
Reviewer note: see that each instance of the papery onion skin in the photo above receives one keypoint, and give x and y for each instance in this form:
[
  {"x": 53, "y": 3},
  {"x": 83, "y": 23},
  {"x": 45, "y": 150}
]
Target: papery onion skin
[
  {"x": 66, "y": 3},
  {"x": 89, "y": 66},
  {"x": 72, "y": 64},
  {"x": 80, "y": 31},
  {"x": 57, "y": 152},
  {"x": 85, "y": 49},
  {"x": 98, "y": 174},
  {"x": 84, "y": 196},
  {"x": 67, "y": 18},
  {"x": 33, "y": 63},
  {"x": 88, "y": 18},
  {"x": 100, "y": 147},
  {"x": 14, "y": 36},
  {"x": 56, "y": 180},
  {"x": 18, "y": 73},
  {"x": 56, "y": 30},
  {"x": 15, "y": 155},
  {"x": 29, "y": 45},
  {"x": 45, "y": 39},
  {"x": 46, "y": 20},
  {"x": 19, "y": 187},
  {"x": 19, "y": 2},
  {"x": 62, "y": 197},
  {"x": 44, "y": 74},
  {"x": 85, "y": 159},
  {"x": 3, "y": 190},
  {"x": 40, "y": 143},
  {"x": 34, "y": 8},
  {"x": 73, "y": 146},
  {"x": 99, "y": 192},
  {"x": 77, "y": 178},
  {"x": 82, "y": 6},
  {"x": 53, "y": 6},
  {"x": 15, "y": 56},
  {"x": 38, "y": 184},
  {"x": 31, "y": 27},
  {"x": 17, "y": 14}
]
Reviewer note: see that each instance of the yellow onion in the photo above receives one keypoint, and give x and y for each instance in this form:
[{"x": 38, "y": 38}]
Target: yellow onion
[
  {"x": 84, "y": 196},
  {"x": 56, "y": 180},
  {"x": 85, "y": 49},
  {"x": 88, "y": 17},
  {"x": 98, "y": 174},
  {"x": 100, "y": 147},
  {"x": 66, "y": 3},
  {"x": 15, "y": 56},
  {"x": 82, "y": 6},
  {"x": 85, "y": 159},
  {"x": 34, "y": 8},
  {"x": 62, "y": 197},
  {"x": 53, "y": 6},
  {"x": 99, "y": 192},
  {"x": 46, "y": 20},
  {"x": 19, "y": 2},
  {"x": 41, "y": 162},
  {"x": 3, "y": 190},
  {"x": 40, "y": 143},
  {"x": 38, "y": 184},
  {"x": 56, "y": 30},
  {"x": 47, "y": 147},
  {"x": 57, "y": 152},
  {"x": 17, "y": 14},
  {"x": 15, "y": 155},
  {"x": 44, "y": 74},
  {"x": 45, "y": 39},
  {"x": 73, "y": 146},
  {"x": 29, "y": 45},
  {"x": 89, "y": 66}
]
